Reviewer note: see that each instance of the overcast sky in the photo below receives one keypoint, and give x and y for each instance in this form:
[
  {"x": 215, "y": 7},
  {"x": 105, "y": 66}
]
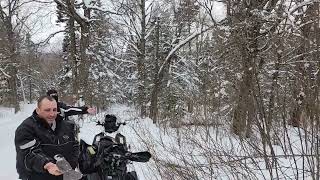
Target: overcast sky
[{"x": 43, "y": 23}]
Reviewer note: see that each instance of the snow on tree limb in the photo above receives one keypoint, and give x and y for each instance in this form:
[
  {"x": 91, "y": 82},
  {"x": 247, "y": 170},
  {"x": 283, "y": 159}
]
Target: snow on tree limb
[
  {"x": 69, "y": 8},
  {"x": 50, "y": 36},
  {"x": 120, "y": 60},
  {"x": 4, "y": 73},
  {"x": 178, "y": 46},
  {"x": 102, "y": 10},
  {"x": 300, "y": 5}
]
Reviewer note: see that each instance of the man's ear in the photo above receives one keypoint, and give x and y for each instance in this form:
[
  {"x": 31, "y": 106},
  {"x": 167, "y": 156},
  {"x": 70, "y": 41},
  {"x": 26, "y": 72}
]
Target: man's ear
[{"x": 37, "y": 110}]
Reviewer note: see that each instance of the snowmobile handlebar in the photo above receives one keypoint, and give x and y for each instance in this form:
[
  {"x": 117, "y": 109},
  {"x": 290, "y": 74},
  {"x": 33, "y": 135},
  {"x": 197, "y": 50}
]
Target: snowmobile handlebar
[
  {"x": 117, "y": 123},
  {"x": 110, "y": 123},
  {"x": 143, "y": 156}
]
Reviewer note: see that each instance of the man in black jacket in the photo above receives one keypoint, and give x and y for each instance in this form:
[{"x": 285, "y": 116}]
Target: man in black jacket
[
  {"x": 39, "y": 138},
  {"x": 65, "y": 111}
]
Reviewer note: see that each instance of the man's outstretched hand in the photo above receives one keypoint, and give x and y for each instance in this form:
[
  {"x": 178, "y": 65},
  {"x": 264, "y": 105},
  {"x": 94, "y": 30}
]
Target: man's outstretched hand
[{"x": 91, "y": 110}]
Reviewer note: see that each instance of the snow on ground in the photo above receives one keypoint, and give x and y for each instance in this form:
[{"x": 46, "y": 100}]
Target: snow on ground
[
  {"x": 124, "y": 114},
  {"x": 165, "y": 144},
  {"x": 8, "y": 124},
  {"x": 10, "y": 121}
]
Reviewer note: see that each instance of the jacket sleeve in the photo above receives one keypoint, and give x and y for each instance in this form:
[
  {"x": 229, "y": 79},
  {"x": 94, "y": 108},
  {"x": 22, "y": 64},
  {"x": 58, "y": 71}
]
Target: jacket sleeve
[
  {"x": 71, "y": 110},
  {"x": 29, "y": 152}
]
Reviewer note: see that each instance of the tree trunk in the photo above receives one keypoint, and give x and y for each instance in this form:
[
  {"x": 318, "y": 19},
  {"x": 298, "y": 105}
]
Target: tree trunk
[
  {"x": 154, "y": 102},
  {"x": 81, "y": 69},
  {"x": 13, "y": 66},
  {"x": 241, "y": 110},
  {"x": 85, "y": 62},
  {"x": 301, "y": 91},
  {"x": 13, "y": 88},
  {"x": 141, "y": 63},
  {"x": 154, "y": 94},
  {"x": 72, "y": 57},
  {"x": 248, "y": 48}
]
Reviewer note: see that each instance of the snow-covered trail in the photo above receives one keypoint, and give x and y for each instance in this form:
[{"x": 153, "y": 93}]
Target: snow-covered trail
[
  {"x": 10, "y": 121},
  {"x": 8, "y": 124},
  {"x": 7, "y": 152},
  {"x": 123, "y": 114}
]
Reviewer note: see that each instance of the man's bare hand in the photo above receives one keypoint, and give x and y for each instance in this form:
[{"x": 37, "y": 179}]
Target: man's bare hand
[
  {"x": 52, "y": 169},
  {"x": 91, "y": 110}
]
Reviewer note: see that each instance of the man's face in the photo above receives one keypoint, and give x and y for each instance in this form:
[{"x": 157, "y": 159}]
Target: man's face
[{"x": 47, "y": 110}]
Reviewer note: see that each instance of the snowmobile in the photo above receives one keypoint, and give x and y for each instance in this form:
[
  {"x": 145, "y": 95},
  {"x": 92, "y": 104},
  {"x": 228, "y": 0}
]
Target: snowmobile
[{"x": 107, "y": 158}]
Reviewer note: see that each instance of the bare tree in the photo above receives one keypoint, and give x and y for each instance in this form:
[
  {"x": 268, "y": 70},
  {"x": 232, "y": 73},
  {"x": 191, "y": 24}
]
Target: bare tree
[{"x": 8, "y": 12}]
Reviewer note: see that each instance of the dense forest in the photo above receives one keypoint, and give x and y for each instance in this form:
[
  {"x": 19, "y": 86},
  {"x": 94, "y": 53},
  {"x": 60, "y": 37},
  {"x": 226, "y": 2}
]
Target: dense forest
[{"x": 250, "y": 67}]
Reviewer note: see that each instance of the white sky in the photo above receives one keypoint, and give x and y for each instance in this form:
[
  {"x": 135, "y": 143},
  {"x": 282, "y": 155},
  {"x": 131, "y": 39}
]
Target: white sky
[{"x": 43, "y": 23}]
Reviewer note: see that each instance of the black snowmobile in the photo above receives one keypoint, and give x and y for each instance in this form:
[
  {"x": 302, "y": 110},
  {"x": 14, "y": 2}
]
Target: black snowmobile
[{"x": 107, "y": 158}]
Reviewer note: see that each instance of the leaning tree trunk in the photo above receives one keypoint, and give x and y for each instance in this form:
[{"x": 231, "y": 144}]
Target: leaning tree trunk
[{"x": 164, "y": 68}]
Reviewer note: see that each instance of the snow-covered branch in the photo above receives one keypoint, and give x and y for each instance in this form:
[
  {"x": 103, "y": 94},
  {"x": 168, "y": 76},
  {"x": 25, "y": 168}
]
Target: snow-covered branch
[
  {"x": 49, "y": 37},
  {"x": 4, "y": 73},
  {"x": 178, "y": 46}
]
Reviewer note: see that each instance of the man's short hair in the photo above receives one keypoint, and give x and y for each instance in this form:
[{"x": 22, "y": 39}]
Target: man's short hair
[{"x": 41, "y": 98}]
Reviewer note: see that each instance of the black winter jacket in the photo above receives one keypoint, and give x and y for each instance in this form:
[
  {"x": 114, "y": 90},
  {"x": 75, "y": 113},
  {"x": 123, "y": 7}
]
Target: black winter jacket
[
  {"x": 65, "y": 110},
  {"x": 37, "y": 144}
]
